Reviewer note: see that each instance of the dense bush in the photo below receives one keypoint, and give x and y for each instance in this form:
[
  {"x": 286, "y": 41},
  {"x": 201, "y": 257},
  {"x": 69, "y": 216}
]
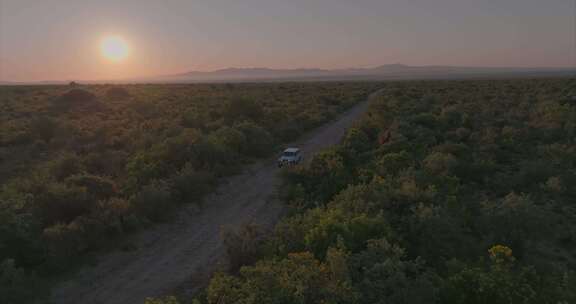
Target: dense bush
[
  {"x": 15, "y": 283},
  {"x": 445, "y": 192},
  {"x": 165, "y": 300},
  {"x": 189, "y": 185},
  {"x": 81, "y": 166},
  {"x": 153, "y": 201},
  {"x": 117, "y": 93},
  {"x": 76, "y": 98},
  {"x": 259, "y": 142},
  {"x": 241, "y": 109},
  {"x": 242, "y": 246},
  {"x": 76, "y": 95},
  {"x": 298, "y": 278}
]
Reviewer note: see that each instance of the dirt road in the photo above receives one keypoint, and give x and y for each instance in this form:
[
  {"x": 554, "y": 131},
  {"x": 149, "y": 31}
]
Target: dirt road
[{"x": 182, "y": 252}]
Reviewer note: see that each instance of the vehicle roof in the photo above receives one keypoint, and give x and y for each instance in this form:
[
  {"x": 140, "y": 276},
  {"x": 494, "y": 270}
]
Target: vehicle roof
[{"x": 291, "y": 150}]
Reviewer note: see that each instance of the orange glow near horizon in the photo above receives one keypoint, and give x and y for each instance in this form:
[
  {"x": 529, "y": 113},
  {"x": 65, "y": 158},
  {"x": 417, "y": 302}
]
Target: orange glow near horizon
[{"x": 132, "y": 39}]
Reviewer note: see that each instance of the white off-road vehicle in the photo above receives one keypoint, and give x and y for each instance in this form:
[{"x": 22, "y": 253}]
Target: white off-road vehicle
[{"x": 290, "y": 156}]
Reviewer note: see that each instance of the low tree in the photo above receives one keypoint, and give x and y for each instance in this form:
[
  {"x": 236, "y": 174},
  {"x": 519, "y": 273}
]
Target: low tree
[
  {"x": 98, "y": 187},
  {"x": 259, "y": 142},
  {"x": 43, "y": 128},
  {"x": 298, "y": 278},
  {"x": 75, "y": 98},
  {"x": 242, "y": 109},
  {"x": 153, "y": 201},
  {"x": 382, "y": 274},
  {"x": 117, "y": 93},
  {"x": 500, "y": 283},
  {"x": 65, "y": 165},
  {"x": 190, "y": 185},
  {"x": 242, "y": 246}
]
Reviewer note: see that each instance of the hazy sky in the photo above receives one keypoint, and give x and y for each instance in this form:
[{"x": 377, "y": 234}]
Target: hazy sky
[{"x": 59, "y": 39}]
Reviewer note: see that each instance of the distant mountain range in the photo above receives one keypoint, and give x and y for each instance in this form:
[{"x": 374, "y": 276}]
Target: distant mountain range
[
  {"x": 383, "y": 72},
  {"x": 389, "y": 71}
]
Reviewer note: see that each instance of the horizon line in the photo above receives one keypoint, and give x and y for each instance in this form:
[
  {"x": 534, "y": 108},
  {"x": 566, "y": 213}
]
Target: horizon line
[{"x": 367, "y": 67}]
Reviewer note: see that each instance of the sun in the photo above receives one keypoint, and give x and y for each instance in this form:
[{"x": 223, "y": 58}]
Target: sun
[{"x": 114, "y": 48}]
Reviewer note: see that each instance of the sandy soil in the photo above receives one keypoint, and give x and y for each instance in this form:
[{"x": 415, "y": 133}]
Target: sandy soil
[{"x": 182, "y": 253}]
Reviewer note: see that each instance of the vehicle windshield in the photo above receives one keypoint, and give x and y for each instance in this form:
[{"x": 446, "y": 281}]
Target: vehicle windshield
[{"x": 289, "y": 154}]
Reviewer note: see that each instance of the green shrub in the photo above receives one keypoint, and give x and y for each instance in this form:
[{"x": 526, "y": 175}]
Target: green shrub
[
  {"x": 189, "y": 185},
  {"x": 356, "y": 141},
  {"x": 65, "y": 165},
  {"x": 43, "y": 128},
  {"x": 298, "y": 278},
  {"x": 19, "y": 230},
  {"x": 259, "y": 142},
  {"x": 352, "y": 231},
  {"x": 63, "y": 242},
  {"x": 500, "y": 283},
  {"x": 78, "y": 171},
  {"x": 117, "y": 93},
  {"x": 75, "y": 98},
  {"x": 164, "y": 300},
  {"x": 407, "y": 221},
  {"x": 383, "y": 275},
  {"x": 241, "y": 109},
  {"x": 142, "y": 168},
  {"x": 115, "y": 215},
  {"x": 16, "y": 285},
  {"x": 439, "y": 163},
  {"x": 77, "y": 95},
  {"x": 392, "y": 163},
  {"x": 59, "y": 202},
  {"x": 153, "y": 201},
  {"x": 325, "y": 176},
  {"x": 229, "y": 139},
  {"x": 97, "y": 186},
  {"x": 242, "y": 245}
]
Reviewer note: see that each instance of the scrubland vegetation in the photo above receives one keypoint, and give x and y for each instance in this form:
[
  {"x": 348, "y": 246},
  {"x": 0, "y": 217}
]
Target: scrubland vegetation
[
  {"x": 445, "y": 192},
  {"x": 81, "y": 166}
]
